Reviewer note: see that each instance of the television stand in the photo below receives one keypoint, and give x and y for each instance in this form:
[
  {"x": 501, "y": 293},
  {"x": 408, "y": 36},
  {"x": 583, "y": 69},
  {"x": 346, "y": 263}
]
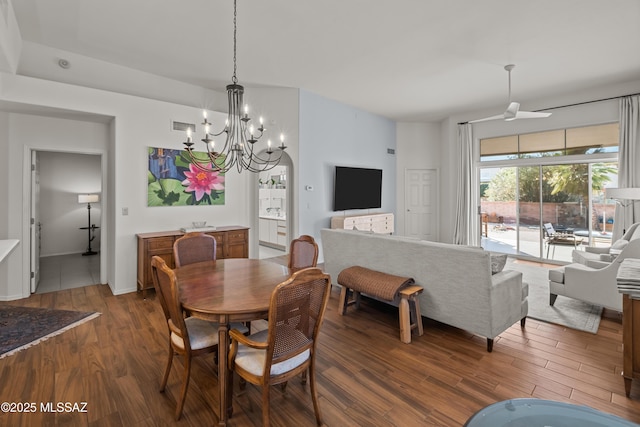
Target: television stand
[{"x": 381, "y": 223}]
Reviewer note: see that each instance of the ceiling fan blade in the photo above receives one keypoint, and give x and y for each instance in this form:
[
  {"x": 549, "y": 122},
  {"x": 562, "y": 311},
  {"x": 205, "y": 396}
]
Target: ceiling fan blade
[
  {"x": 486, "y": 119},
  {"x": 512, "y": 111},
  {"x": 531, "y": 115},
  {"x": 508, "y": 115}
]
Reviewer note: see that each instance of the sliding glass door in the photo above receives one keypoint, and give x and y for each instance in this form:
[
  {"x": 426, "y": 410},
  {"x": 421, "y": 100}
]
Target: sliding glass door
[
  {"x": 518, "y": 202},
  {"x": 529, "y": 210},
  {"x": 538, "y": 185}
]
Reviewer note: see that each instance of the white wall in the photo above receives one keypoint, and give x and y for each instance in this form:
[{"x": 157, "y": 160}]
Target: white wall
[
  {"x": 10, "y": 40},
  {"x": 280, "y": 109},
  {"x": 5, "y": 184},
  {"x": 137, "y": 124},
  {"x": 334, "y": 134},
  {"x": 419, "y": 146},
  {"x": 62, "y": 177}
]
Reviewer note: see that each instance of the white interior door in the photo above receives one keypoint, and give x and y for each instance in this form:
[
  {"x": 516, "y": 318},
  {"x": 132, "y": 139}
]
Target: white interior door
[
  {"x": 421, "y": 202},
  {"x": 35, "y": 221}
]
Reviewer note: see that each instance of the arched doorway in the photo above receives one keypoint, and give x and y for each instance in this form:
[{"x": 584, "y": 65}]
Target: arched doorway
[{"x": 275, "y": 209}]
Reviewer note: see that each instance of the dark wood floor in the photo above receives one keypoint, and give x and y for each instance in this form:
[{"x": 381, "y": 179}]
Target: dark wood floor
[{"x": 366, "y": 376}]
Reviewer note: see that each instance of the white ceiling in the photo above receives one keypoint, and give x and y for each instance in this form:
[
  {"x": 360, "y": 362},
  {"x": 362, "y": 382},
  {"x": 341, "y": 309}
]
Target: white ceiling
[{"x": 409, "y": 60}]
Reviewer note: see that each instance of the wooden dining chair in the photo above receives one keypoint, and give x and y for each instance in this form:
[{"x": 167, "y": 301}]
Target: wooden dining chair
[
  {"x": 288, "y": 346},
  {"x": 194, "y": 247},
  {"x": 197, "y": 247},
  {"x": 303, "y": 253},
  {"x": 187, "y": 337}
]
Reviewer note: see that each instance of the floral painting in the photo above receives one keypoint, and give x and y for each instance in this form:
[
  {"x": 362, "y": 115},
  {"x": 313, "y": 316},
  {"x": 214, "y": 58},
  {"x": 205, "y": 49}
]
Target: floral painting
[{"x": 173, "y": 180}]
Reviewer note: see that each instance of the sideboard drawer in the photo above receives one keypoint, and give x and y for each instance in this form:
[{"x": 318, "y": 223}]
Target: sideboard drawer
[
  {"x": 237, "y": 236},
  {"x": 160, "y": 243},
  {"x": 219, "y": 238}
]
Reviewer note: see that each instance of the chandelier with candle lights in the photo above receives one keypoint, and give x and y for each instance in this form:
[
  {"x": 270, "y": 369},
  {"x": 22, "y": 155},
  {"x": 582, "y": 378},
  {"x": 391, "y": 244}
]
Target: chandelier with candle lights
[{"x": 234, "y": 145}]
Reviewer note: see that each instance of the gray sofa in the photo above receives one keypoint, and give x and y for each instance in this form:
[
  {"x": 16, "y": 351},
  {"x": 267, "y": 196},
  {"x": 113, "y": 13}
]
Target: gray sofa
[{"x": 459, "y": 289}]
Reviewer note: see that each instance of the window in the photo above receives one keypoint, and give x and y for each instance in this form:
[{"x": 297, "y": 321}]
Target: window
[
  {"x": 555, "y": 177},
  {"x": 563, "y": 142}
]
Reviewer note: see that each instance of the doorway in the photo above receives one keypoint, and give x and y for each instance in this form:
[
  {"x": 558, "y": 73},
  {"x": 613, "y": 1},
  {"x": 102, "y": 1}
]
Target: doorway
[
  {"x": 275, "y": 209},
  {"x": 65, "y": 237}
]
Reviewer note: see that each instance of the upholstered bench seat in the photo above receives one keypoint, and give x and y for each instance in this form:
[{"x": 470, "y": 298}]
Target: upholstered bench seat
[{"x": 383, "y": 286}]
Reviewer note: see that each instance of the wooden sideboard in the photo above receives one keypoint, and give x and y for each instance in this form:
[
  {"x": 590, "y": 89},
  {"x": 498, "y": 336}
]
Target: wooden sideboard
[
  {"x": 378, "y": 223},
  {"x": 631, "y": 341},
  {"x": 232, "y": 242}
]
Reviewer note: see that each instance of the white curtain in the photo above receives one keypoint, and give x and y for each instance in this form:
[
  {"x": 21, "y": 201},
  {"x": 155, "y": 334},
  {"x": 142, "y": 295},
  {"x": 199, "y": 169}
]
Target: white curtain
[
  {"x": 466, "y": 229},
  {"x": 628, "y": 162}
]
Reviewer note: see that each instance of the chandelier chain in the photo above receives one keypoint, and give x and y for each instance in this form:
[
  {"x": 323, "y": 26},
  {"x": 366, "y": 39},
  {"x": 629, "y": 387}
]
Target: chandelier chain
[
  {"x": 234, "y": 79},
  {"x": 237, "y": 149}
]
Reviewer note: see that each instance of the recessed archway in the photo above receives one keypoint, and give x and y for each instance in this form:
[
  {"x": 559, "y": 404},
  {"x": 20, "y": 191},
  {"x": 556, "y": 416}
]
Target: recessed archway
[{"x": 278, "y": 209}]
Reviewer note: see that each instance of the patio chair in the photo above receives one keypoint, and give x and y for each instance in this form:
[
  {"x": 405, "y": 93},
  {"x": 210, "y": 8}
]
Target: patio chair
[{"x": 554, "y": 238}]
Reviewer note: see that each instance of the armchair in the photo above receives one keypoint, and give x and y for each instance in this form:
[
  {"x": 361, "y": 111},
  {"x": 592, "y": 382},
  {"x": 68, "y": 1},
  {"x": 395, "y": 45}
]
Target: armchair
[
  {"x": 602, "y": 257},
  {"x": 594, "y": 285}
]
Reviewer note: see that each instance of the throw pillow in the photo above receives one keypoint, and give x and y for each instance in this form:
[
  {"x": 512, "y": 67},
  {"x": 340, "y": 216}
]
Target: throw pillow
[
  {"x": 620, "y": 244},
  {"x": 498, "y": 262}
]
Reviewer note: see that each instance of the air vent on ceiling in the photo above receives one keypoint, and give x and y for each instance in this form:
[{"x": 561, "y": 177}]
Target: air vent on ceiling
[{"x": 181, "y": 126}]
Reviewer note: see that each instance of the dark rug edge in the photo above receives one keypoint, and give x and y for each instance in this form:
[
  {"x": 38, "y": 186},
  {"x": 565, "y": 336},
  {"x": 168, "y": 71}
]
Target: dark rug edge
[{"x": 86, "y": 318}]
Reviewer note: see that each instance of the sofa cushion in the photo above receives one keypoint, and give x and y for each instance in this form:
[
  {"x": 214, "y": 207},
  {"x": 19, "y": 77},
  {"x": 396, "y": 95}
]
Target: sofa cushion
[
  {"x": 498, "y": 262},
  {"x": 608, "y": 257},
  {"x": 557, "y": 275},
  {"x": 583, "y": 257}
]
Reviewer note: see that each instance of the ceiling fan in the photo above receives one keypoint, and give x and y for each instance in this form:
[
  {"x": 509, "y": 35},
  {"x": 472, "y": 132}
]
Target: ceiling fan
[{"x": 513, "y": 110}]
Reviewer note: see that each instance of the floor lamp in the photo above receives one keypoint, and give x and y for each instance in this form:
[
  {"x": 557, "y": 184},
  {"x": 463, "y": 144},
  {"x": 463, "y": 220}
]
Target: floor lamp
[
  {"x": 621, "y": 194},
  {"x": 91, "y": 228}
]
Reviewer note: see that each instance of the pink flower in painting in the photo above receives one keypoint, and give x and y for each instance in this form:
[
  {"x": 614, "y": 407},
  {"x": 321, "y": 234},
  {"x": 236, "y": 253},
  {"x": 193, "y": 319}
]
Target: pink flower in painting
[{"x": 202, "y": 182}]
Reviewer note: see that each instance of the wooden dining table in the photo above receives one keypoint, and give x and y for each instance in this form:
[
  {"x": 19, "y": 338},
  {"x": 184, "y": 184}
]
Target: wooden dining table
[{"x": 225, "y": 291}]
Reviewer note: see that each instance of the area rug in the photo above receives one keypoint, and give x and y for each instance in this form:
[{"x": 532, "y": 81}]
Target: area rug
[
  {"x": 22, "y": 327},
  {"x": 566, "y": 311}
]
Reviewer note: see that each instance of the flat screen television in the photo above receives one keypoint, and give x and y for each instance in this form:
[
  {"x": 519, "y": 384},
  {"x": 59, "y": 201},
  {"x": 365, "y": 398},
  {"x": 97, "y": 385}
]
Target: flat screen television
[{"x": 357, "y": 188}]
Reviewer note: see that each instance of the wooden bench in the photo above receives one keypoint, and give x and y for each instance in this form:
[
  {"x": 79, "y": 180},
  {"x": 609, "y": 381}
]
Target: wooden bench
[{"x": 356, "y": 280}]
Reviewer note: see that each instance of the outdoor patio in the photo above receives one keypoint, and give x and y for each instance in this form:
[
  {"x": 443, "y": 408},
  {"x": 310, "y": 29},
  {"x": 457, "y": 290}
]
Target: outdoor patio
[{"x": 503, "y": 238}]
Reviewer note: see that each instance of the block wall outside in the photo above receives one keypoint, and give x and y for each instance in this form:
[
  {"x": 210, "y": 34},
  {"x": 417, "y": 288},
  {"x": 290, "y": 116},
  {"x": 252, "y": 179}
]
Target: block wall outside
[{"x": 569, "y": 215}]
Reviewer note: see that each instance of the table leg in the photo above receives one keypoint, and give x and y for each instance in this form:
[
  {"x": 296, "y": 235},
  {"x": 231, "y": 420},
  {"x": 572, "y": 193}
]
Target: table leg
[
  {"x": 627, "y": 386},
  {"x": 223, "y": 372}
]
